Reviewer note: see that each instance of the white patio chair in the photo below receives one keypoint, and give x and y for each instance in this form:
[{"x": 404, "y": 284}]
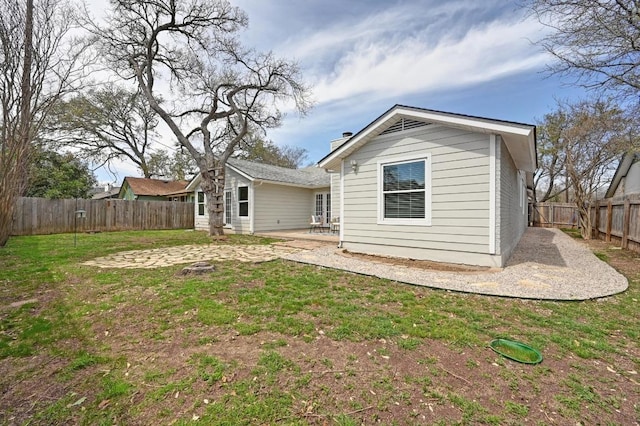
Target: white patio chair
[
  {"x": 316, "y": 223},
  {"x": 335, "y": 224}
]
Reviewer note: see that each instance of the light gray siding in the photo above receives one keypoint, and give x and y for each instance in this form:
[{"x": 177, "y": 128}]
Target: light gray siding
[
  {"x": 459, "y": 191},
  {"x": 238, "y": 225},
  {"x": 283, "y": 207},
  {"x": 335, "y": 182},
  {"x": 630, "y": 184},
  {"x": 512, "y": 203}
]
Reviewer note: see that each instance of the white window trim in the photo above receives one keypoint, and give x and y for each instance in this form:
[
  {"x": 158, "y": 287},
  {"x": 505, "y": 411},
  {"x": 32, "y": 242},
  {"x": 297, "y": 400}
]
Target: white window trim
[
  {"x": 427, "y": 191},
  {"x": 198, "y": 203},
  {"x": 248, "y": 201},
  {"x": 224, "y": 198}
]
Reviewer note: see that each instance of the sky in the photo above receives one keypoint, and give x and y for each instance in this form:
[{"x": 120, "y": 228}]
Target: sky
[{"x": 361, "y": 57}]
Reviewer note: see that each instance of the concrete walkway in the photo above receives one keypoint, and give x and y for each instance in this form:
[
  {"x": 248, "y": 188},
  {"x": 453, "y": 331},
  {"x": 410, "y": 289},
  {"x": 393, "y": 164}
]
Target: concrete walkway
[{"x": 547, "y": 264}]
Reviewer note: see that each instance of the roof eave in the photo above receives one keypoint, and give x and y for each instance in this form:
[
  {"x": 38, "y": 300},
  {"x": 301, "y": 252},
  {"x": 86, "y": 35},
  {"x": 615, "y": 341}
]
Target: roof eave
[{"x": 517, "y": 133}]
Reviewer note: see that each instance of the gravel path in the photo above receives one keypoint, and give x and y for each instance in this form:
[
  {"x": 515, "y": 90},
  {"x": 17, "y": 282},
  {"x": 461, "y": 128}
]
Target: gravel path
[{"x": 547, "y": 264}]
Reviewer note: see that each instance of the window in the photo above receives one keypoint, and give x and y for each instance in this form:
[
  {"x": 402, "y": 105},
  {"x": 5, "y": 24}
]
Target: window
[
  {"x": 243, "y": 201},
  {"x": 227, "y": 207},
  {"x": 201, "y": 207},
  {"x": 404, "y": 191}
]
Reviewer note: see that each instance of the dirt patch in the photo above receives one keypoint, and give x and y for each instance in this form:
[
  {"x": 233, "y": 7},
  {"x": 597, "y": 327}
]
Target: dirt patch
[{"x": 419, "y": 264}]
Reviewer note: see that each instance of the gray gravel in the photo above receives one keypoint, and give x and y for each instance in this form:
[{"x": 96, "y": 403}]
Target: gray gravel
[{"x": 547, "y": 264}]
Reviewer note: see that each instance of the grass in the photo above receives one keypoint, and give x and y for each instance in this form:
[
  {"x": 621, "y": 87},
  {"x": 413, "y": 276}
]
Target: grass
[{"x": 280, "y": 342}]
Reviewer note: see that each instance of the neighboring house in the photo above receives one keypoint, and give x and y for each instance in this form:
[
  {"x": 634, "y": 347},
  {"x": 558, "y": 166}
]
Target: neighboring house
[
  {"x": 432, "y": 185},
  {"x": 145, "y": 189},
  {"x": 626, "y": 180},
  {"x": 260, "y": 197},
  {"x": 105, "y": 192}
]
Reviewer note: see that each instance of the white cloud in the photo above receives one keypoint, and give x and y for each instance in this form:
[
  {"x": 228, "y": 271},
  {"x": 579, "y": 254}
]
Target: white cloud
[{"x": 388, "y": 67}]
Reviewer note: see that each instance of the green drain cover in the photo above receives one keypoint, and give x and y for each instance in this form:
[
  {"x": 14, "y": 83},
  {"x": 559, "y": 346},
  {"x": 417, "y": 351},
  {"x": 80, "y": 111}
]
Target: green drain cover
[{"x": 516, "y": 351}]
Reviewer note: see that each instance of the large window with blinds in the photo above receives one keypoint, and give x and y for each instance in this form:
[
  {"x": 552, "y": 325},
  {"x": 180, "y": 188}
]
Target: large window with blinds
[{"x": 404, "y": 192}]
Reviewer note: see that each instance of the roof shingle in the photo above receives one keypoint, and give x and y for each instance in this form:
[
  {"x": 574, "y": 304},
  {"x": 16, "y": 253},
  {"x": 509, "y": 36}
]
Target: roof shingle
[{"x": 154, "y": 187}]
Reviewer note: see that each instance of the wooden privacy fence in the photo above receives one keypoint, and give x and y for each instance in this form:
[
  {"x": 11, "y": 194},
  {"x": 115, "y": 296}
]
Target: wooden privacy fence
[
  {"x": 613, "y": 220},
  {"x": 554, "y": 215},
  {"x": 36, "y": 216},
  {"x": 617, "y": 221}
]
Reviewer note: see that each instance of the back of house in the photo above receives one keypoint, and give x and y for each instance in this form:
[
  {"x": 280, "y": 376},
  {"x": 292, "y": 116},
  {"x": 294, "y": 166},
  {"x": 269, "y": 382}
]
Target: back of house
[{"x": 431, "y": 185}]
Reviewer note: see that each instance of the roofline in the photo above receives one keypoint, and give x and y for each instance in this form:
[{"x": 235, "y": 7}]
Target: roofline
[
  {"x": 240, "y": 172},
  {"x": 275, "y": 182},
  {"x": 624, "y": 165},
  {"x": 196, "y": 181},
  {"x": 460, "y": 119}
]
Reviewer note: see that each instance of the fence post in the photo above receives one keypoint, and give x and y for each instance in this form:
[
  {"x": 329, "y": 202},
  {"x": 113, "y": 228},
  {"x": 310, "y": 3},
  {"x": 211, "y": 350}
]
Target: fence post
[
  {"x": 596, "y": 219},
  {"x": 553, "y": 216},
  {"x": 625, "y": 223},
  {"x": 609, "y": 220}
]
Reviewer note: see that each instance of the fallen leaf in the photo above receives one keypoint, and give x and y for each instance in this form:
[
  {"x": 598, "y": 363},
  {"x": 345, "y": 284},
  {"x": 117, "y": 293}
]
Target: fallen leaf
[
  {"x": 78, "y": 402},
  {"x": 103, "y": 404}
]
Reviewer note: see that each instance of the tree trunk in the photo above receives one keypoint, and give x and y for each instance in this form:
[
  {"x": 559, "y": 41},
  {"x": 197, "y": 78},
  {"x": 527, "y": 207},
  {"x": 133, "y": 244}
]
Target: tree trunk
[
  {"x": 584, "y": 212},
  {"x": 212, "y": 184},
  {"x": 16, "y": 149}
]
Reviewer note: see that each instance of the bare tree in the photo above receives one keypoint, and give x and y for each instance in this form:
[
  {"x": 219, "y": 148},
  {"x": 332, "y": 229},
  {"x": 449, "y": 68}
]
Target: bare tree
[
  {"x": 267, "y": 152},
  {"x": 106, "y": 124},
  {"x": 551, "y": 157},
  {"x": 179, "y": 166},
  {"x": 593, "y": 134},
  {"x": 597, "y": 41},
  {"x": 36, "y": 68},
  {"x": 221, "y": 90}
]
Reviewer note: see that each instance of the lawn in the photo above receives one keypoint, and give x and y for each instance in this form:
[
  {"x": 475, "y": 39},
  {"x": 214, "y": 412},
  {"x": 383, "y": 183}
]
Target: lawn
[{"x": 284, "y": 343}]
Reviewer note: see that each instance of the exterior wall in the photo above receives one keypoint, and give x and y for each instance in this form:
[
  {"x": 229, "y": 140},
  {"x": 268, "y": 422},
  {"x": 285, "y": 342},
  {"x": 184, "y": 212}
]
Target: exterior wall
[
  {"x": 630, "y": 184},
  {"x": 239, "y": 225},
  {"x": 280, "y": 207},
  {"x": 511, "y": 212},
  {"x": 335, "y": 182},
  {"x": 460, "y": 176},
  {"x": 271, "y": 207},
  {"x": 127, "y": 192},
  {"x": 335, "y": 195}
]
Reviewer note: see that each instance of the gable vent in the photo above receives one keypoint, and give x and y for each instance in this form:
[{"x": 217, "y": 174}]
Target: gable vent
[{"x": 404, "y": 124}]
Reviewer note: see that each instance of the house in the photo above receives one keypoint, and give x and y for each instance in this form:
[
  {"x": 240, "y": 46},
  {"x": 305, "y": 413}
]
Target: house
[
  {"x": 105, "y": 192},
  {"x": 260, "y": 197},
  {"x": 145, "y": 189},
  {"x": 626, "y": 180},
  {"x": 432, "y": 185}
]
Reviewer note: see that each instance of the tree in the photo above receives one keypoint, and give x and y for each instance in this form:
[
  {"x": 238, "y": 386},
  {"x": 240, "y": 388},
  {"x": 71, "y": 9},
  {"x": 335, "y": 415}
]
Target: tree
[
  {"x": 595, "y": 40},
  {"x": 584, "y": 139},
  {"x": 267, "y": 152},
  {"x": 221, "y": 91},
  {"x": 38, "y": 64},
  {"x": 106, "y": 124},
  {"x": 180, "y": 166},
  {"x": 551, "y": 157},
  {"x": 54, "y": 175}
]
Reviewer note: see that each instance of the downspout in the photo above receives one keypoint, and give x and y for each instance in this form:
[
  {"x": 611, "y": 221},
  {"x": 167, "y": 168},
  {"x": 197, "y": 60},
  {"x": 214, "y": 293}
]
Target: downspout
[
  {"x": 252, "y": 206},
  {"x": 341, "y": 238},
  {"x": 492, "y": 194}
]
